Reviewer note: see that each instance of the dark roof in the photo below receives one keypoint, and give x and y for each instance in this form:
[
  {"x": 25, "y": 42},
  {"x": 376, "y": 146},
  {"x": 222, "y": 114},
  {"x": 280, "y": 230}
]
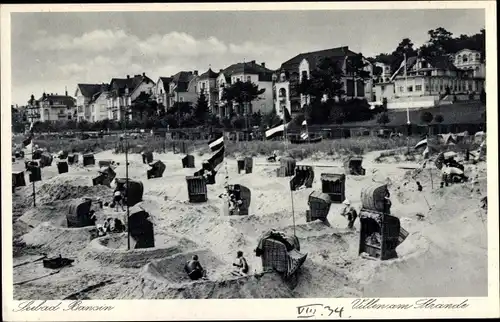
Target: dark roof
[
  {"x": 166, "y": 83},
  {"x": 119, "y": 84},
  {"x": 209, "y": 74},
  {"x": 182, "y": 79},
  {"x": 314, "y": 57},
  {"x": 251, "y": 67},
  {"x": 441, "y": 62},
  {"x": 59, "y": 100},
  {"x": 88, "y": 90}
]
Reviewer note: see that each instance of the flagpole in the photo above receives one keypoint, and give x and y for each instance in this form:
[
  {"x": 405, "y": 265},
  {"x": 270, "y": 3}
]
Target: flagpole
[{"x": 407, "y": 107}]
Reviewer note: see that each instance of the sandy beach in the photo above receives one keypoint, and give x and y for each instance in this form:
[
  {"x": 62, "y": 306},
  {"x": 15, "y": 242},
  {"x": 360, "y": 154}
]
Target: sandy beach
[{"x": 445, "y": 254}]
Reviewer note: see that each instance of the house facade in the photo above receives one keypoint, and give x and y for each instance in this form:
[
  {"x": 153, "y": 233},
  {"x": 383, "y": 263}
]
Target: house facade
[
  {"x": 123, "y": 92},
  {"x": 433, "y": 81},
  {"x": 183, "y": 88},
  {"x": 161, "y": 91},
  {"x": 99, "y": 104},
  {"x": 54, "y": 107},
  {"x": 84, "y": 94},
  {"x": 293, "y": 71},
  {"x": 207, "y": 84},
  {"x": 252, "y": 72}
]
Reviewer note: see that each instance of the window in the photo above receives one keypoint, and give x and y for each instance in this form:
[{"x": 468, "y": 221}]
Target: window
[
  {"x": 401, "y": 89},
  {"x": 470, "y": 87},
  {"x": 238, "y": 79},
  {"x": 93, "y": 109},
  {"x": 464, "y": 58},
  {"x": 249, "y": 79},
  {"x": 382, "y": 88},
  {"x": 426, "y": 88},
  {"x": 304, "y": 75},
  {"x": 181, "y": 99},
  {"x": 410, "y": 88},
  {"x": 478, "y": 57},
  {"x": 418, "y": 88}
]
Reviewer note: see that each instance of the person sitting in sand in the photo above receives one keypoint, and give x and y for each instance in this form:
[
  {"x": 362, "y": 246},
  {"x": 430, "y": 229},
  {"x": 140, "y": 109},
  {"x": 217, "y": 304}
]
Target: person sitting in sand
[
  {"x": 350, "y": 213},
  {"x": 241, "y": 263},
  {"x": 118, "y": 200},
  {"x": 194, "y": 269}
]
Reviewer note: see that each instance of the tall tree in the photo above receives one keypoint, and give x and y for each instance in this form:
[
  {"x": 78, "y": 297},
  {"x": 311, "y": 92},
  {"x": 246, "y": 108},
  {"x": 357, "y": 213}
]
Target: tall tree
[
  {"x": 356, "y": 68},
  {"x": 404, "y": 47},
  {"x": 426, "y": 117},
  {"x": 243, "y": 94},
  {"x": 438, "y": 118},
  {"x": 144, "y": 105},
  {"x": 201, "y": 110}
]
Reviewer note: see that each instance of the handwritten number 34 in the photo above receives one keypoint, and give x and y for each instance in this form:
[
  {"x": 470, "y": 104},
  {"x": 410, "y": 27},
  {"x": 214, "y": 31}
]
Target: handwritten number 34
[{"x": 337, "y": 310}]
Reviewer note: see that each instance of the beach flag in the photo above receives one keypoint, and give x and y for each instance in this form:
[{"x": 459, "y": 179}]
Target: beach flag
[
  {"x": 279, "y": 129},
  {"x": 275, "y": 131},
  {"x": 304, "y": 123},
  {"x": 304, "y": 136},
  {"x": 426, "y": 152},
  {"x": 28, "y": 142},
  {"x": 217, "y": 144},
  {"x": 217, "y": 158},
  {"x": 403, "y": 65},
  {"x": 422, "y": 142}
]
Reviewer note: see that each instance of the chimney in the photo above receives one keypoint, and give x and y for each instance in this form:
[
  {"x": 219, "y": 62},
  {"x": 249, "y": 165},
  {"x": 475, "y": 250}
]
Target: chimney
[
  {"x": 263, "y": 64},
  {"x": 143, "y": 74},
  {"x": 195, "y": 73},
  {"x": 128, "y": 76},
  {"x": 220, "y": 70},
  {"x": 252, "y": 62},
  {"x": 103, "y": 87}
]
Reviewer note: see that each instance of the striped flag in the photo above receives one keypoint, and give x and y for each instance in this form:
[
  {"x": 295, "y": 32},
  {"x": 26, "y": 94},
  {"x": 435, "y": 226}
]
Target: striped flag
[
  {"x": 213, "y": 164},
  {"x": 422, "y": 142},
  {"x": 304, "y": 136},
  {"x": 216, "y": 144},
  {"x": 279, "y": 129},
  {"x": 426, "y": 152},
  {"x": 276, "y": 131}
]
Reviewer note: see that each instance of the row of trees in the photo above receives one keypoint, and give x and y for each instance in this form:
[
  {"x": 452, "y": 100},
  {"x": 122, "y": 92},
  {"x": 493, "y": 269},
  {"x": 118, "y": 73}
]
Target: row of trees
[{"x": 441, "y": 42}]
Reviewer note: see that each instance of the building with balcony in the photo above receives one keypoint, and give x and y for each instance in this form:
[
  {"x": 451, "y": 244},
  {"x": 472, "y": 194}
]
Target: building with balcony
[
  {"x": 252, "y": 72},
  {"x": 99, "y": 104},
  {"x": 84, "y": 94},
  {"x": 123, "y": 92},
  {"x": 433, "y": 81},
  {"x": 291, "y": 73},
  {"x": 54, "y": 107},
  {"x": 162, "y": 91},
  {"x": 207, "y": 84},
  {"x": 183, "y": 88}
]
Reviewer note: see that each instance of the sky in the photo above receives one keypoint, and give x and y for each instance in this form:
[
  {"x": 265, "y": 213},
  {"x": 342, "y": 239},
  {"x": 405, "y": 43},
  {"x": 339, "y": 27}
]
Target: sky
[{"x": 54, "y": 51}]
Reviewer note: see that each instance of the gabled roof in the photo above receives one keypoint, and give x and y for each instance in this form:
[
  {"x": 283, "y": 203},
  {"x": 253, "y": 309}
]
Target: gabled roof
[
  {"x": 96, "y": 96},
  {"x": 119, "y": 84},
  {"x": 166, "y": 83},
  {"x": 58, "y": 100},
  {"x": 337, "y": 53},
  {"x": 441, "y": 62},
  {"x": 88, "y": 90},
  {"x": 182, "y": 79},
  {"x": 253, "y": 68},
  {"x": 209, "y": 74}
]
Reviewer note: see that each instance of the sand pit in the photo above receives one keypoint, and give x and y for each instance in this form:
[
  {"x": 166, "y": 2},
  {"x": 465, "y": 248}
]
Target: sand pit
[
  {"x": 446, "y": 239},
  {"x": 112, "y": 250},
  {"x": 166, "y": 277},
  {"x": 55, "y": 240}
]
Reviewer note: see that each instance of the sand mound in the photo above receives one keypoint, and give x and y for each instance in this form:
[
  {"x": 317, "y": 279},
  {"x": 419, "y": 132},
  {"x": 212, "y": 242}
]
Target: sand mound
[
  {"x": 165, "y": 278},
  {"x": 112, "y": 249},
  {"x": 57, "y": 189},
  {"x": 57, "y": 240}
]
